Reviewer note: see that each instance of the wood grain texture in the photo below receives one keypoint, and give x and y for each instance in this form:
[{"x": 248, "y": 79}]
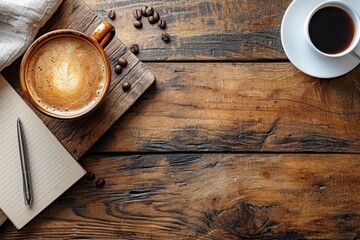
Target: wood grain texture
[
  {"x": 199, "y": 107},
  {"x": 217, "y": 196},
  {"x": 230, "y": 107},
  {"x": 3, "y": 218},
  {"x": 79, "y": 135},
  {"x": 202, "y": 29}
]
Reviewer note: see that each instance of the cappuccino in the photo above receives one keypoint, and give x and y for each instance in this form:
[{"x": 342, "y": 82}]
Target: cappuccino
[{"x": 66, "y": 75}]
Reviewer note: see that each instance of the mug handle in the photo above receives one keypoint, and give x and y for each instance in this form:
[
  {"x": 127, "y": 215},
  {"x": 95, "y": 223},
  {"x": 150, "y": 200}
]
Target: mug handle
[
  {"x": 103, "y": 34},
  {"x": 356, "y": 52}
]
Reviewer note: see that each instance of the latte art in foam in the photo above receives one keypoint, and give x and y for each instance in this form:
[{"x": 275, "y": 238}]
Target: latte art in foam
[{"x": 66, "y": 75}]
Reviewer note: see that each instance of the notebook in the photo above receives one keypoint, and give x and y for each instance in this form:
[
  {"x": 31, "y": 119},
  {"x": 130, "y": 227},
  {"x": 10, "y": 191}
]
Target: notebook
[{"x": 53, "y": 169}]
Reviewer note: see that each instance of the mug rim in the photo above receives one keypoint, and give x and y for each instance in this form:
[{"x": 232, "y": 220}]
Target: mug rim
[
  {"x": 354, "y": 17},
  {"x": 58, "y": 34}
]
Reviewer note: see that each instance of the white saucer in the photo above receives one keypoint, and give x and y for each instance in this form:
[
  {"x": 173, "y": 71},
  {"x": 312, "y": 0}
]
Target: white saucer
[{"x": 298, "y": 50}]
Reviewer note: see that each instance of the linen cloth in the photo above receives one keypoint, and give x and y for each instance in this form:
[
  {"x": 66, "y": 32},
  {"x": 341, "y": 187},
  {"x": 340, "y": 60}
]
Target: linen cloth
[{"x": 20, "y": 20}]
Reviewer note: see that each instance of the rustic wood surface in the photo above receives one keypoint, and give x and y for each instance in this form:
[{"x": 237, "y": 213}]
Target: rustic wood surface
[
  {"x": 240, "y": 107},
  {"x": 232, "y": 142},
  {"x": 2, "y": 217},
  {"x": 200, "y": 196},
  {"x": 203, "y": 29}
]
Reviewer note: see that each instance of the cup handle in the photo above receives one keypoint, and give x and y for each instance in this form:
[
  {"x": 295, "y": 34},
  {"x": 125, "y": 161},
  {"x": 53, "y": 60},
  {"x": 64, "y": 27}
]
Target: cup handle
[
  {"x": 103, "y": 34},
  {"x": 356, "y": 52}
]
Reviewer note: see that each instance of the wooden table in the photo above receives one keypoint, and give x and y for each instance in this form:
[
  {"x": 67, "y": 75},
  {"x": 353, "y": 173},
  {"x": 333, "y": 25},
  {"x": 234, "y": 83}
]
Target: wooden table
[{"x": 233, "y": 142}]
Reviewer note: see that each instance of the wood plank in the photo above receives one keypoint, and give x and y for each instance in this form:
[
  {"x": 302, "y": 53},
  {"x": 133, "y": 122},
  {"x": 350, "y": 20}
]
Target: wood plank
[
  {"x": 240, "y": 107},
  {"x": 79, "y": 135},
  {"x": 3, "y": 218},
  {"x": 196, "y": 196},
  {"x": 203, "y": 29}
]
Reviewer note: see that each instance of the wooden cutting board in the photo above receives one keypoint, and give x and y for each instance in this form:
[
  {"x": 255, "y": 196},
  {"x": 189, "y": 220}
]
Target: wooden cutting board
[{"x": 79, "y": 135}]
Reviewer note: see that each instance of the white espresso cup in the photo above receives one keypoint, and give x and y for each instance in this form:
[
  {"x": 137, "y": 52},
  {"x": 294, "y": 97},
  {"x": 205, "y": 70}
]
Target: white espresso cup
[{"x": 332, "y": 29}]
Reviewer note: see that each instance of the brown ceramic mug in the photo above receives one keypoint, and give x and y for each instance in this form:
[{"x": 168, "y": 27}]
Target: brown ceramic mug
[{"x": 66, "y": 74}]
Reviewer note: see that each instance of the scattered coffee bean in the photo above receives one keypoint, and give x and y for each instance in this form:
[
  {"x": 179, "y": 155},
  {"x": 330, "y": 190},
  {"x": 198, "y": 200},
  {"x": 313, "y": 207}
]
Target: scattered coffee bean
[
  {"x": 138, "y": 24},
  {"x": 122, "y": 62},
  {"x": 162, "y": 24},
  {"x": 156, "y": 16},
  {"x": 118, "y": 69},
  {"x": 90, "y": 176},
  {"x": 134, "y": 48},
  {"x": 149, "y": 11},
  {"x": 152, "y": 20},
  {"x": 143, "y": 11},
  {"x": 165, "y": 37},
  {"x": 126, "y": 86},
  {"x": 100, "y": 182},
  {"x": 137, "y": 14},
  {"x": 111, "y": 14}
]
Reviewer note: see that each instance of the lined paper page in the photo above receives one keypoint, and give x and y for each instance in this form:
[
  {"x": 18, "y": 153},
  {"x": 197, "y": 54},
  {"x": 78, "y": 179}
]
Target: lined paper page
[{"x": 53, "y": 169}]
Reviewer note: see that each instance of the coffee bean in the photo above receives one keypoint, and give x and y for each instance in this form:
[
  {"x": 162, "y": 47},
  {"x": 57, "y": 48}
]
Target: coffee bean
[
  {"x": 151, "y": 20},
  {"x": 90, "y": 176},
  {"x": 162, "y": 24},
  {"x": 134, "y": 48},
  {"x": 156, "y": 16},
  {"x": 143, "y": 11},
  {"x": 111, "y": 14},
  {"x": 126, "y": 86},
  {"x": 149, "y": 11},
  {"x": 138, "y": 24},
  {"x": 100, "y": 182},
  {"x": 137, "y": 14},
  {"x": 122, "y": 62},
  {"x": 165, "y": 37},
  {"x": 118, "y": 69}
]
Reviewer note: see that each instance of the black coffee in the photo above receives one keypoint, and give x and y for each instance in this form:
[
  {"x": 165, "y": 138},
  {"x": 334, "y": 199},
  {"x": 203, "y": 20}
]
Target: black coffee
[{"x": 331, "y": 30}]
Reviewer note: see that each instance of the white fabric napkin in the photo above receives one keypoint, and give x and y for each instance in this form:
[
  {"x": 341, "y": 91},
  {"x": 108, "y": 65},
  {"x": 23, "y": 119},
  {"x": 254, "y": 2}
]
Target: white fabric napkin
[{"x": 20, "y": 20}]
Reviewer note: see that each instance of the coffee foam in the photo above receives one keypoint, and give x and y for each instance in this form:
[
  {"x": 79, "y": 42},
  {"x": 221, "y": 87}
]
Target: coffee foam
[{"x": 66, "y": 75}]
